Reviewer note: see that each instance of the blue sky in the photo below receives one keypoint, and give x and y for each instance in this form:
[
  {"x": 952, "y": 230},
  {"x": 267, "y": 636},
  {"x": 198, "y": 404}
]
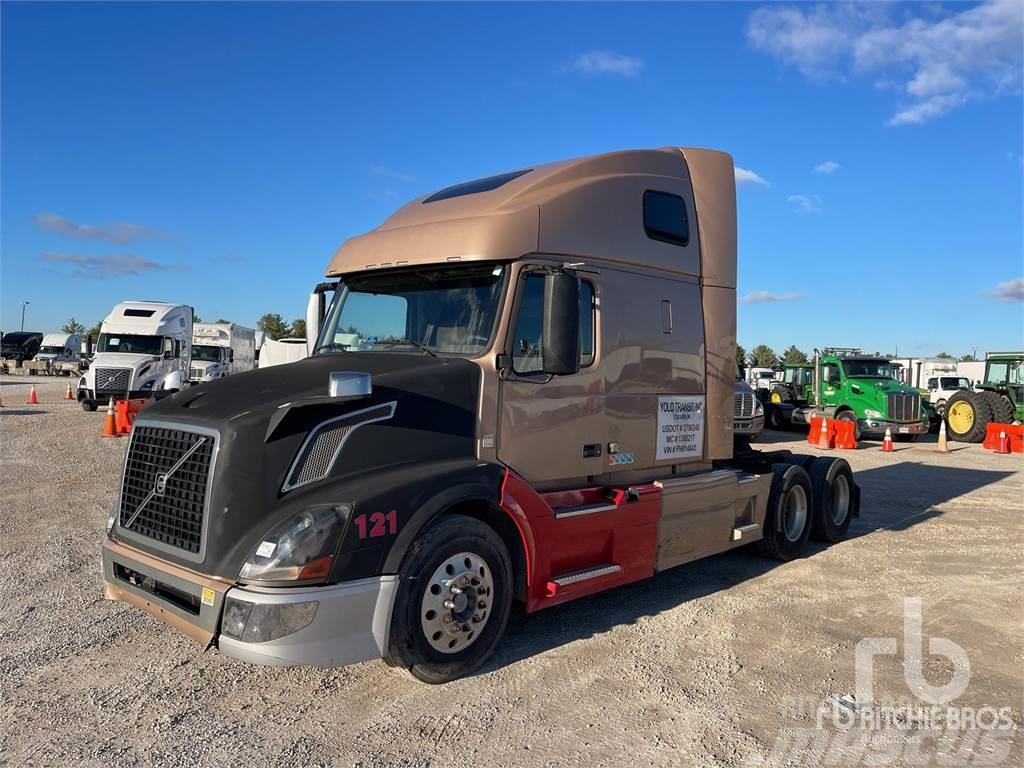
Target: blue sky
[{"x": 218, "y": 154}]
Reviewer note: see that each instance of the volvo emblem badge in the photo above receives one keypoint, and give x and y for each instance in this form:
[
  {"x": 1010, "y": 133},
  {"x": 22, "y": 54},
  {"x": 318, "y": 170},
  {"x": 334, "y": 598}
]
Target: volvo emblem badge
[{"x": 161, "y": 484}]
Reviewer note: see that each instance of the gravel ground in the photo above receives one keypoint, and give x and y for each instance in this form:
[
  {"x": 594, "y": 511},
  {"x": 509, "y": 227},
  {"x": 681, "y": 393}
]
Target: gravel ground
[{"x": 717, "y": 663}]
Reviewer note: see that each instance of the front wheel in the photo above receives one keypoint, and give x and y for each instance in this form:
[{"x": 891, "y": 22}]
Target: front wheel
[
  {"x": 88, "y": 407},
  {"x": 453, "y": 602}
]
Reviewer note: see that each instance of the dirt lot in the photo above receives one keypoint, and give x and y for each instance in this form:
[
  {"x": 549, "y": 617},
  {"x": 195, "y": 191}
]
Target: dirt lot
[{"x": 718, "y": 663}]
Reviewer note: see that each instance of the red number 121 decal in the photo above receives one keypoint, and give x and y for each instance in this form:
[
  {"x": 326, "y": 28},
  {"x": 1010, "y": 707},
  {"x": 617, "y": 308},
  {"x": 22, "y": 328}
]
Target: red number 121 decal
[{"x": 380, "y": 524}]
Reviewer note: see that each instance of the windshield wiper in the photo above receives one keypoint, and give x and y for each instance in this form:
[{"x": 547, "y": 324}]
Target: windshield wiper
[
  {"x": 333, "y": 346},
  {"x": 411, "y": 343}
]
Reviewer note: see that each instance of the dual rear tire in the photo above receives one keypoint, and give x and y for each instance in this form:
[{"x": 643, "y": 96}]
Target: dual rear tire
[{"x": 812, "y": 497}]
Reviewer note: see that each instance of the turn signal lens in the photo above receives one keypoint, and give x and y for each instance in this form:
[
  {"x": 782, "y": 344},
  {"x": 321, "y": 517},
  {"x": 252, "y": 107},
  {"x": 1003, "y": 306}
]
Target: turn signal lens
[{"x": 318, "y": 569}]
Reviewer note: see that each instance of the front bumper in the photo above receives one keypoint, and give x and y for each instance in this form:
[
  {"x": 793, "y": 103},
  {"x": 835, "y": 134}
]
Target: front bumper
[
  {"x": 748, "y": 427},
  {"x": 351, "y": 623},
  {"x": 878, "y": 427}
]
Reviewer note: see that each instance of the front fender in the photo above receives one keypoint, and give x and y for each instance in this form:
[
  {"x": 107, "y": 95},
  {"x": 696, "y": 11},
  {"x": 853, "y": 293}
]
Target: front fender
[{"x": 173, "y": 380}]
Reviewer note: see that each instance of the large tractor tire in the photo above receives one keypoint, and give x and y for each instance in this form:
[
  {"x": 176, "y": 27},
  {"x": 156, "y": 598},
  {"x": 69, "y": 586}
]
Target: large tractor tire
[
  {"x": 1002, "y": 408},
  {"x": 781, "y": 393},
  {"x": 967, "y": 415}
]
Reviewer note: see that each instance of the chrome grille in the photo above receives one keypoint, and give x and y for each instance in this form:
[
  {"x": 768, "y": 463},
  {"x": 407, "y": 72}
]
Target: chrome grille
[
  {"x": 744, "y": 405},
  {"x": 164, "y": 493},
  {"x": 323, "y": 445},
  {"x": 904, "y": 406},
  {"x": 113, "y": 382},
  {"x": 195, "y": 373}
]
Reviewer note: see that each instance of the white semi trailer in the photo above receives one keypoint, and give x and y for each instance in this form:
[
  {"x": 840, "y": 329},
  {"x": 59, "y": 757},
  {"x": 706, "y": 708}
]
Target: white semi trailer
[
  {"x": 144, "y": 350},
  {"x": 220, "y": 349}
]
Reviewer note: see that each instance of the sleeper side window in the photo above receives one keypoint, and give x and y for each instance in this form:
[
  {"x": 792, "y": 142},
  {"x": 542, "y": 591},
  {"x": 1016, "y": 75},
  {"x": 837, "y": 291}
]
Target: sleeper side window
[
  {"x": 527, "y": 355},
  {"x": 665, "y": 218}
]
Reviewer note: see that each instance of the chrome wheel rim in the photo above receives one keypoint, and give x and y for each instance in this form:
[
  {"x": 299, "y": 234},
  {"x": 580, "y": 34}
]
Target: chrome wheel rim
[
  {"x": 456, "y": 602},
  {"x": 796, "y": 513},
  {"x": 840, "y": 499}
]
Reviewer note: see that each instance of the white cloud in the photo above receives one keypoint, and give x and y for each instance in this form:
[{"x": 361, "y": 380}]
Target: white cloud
[
  {"x": 119, "y": 232},
  {"x": 603, "y": 62},
  {"x": 758, "y": 297},
  {"x": 940, "y": 60},
  {"x": 744, "y": 176},
  {"x": 1010, "y": 292},
  {"x": 390, "y": 173},
  {"x": 805, "y": 203},
  {"x": 102, "y": 267},
  {"x": 828, "y": 167}
]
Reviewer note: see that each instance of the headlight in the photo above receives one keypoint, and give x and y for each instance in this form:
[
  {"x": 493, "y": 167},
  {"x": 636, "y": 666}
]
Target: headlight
[
  {"x": 260, "y": 622},
  {"x": 872, "y": 414},
  {"x": 758, "y": 408},
  {"x": 300, "y": 549}
]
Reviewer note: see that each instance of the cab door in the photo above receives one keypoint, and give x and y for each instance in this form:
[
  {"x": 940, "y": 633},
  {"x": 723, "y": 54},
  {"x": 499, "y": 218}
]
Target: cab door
[
  {"x": 551, "y": 428},
  {"x": 831, "y": 384}
]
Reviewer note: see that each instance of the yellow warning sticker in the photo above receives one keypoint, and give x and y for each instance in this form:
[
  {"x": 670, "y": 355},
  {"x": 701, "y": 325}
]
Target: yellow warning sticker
[{"x": 208, "y": 596}]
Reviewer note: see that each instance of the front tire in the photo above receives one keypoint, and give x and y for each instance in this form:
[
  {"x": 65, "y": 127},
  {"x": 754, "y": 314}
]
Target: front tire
[
  {"x": 787, "y": 524},
  {"x": 88, "y": 407},
  {"x": 453, "y": 602}
]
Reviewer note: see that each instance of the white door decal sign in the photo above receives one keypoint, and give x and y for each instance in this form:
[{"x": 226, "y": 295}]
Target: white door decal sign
[{"x": 680, "y": 427}]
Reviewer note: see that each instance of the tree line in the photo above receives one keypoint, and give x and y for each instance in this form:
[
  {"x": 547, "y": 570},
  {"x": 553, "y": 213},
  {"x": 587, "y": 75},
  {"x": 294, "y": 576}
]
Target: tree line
[
  {"x": 275, "y": 326},
  {"x": 763, "y": 356}
]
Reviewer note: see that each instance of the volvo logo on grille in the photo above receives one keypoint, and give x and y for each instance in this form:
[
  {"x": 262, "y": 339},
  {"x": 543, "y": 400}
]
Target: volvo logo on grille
[
  {"x": 160, "y": 485},
  {"x": 111, "y": 380}
]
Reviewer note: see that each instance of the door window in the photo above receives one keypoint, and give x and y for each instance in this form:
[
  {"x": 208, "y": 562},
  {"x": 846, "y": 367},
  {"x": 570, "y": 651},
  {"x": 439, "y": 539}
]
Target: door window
[{"x": 527, "y": 341}]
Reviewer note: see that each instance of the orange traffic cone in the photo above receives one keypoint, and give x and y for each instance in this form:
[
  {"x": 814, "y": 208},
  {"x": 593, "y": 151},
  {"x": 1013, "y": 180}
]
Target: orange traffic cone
[
  {"x": 1004, "y": 442},
  {"x": 68, "y": 395},
  {"x": 887, "y": 441},
  {"x": 943, "y": 446},
  {"x": 32, "y": 399},
  {"x": 110, "y": 425},
  {"x": 823, "y": 442}
]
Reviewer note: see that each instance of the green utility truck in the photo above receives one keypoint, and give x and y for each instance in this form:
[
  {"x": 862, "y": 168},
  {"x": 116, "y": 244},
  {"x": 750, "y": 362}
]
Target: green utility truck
[
  {"x": 848, "y": 385},
  {"x": 999, "y": 399}
]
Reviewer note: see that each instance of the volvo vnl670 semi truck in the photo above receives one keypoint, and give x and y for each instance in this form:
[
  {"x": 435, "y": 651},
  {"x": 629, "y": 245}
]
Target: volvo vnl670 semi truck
[
  {"x": 143, "y": 350},
  {"x": 521, "y": 392}
]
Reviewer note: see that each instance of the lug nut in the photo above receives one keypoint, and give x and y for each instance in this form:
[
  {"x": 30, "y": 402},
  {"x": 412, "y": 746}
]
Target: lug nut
[
  {"x": 449, "y": 604},
  {"x": 456, "y": 590}
]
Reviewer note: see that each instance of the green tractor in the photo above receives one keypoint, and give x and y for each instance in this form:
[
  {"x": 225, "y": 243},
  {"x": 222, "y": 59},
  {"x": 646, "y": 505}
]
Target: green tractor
[
  {"x": 999, "y": 399},
  {"x": 797, "y": 385}
]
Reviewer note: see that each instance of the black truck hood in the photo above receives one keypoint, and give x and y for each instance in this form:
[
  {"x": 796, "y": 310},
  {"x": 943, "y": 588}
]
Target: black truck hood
[{"x": 434, "y": 420}]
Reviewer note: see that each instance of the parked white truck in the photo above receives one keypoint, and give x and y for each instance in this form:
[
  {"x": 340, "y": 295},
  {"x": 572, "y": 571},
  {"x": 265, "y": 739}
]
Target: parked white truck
[
  {"x": 144, "y": 350},
  {"x": 282, "y": 351},
  {"x": 220, "y": 349},
  {"x": 58, "y": 353}
]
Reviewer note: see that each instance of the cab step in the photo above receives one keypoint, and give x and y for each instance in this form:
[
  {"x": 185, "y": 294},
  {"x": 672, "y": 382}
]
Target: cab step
[{"x": 584, "y": 574}]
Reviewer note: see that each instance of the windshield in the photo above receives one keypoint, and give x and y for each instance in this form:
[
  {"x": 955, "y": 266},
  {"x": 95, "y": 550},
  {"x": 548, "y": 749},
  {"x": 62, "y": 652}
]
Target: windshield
[
  {"x": 126, "y": 342},
  {"x": 445, "y": 310},
  {"x": 798, "y": 376},
  {"x": 872, "y": 369},
  {"x": 207, "y": 352},
  {"x": 1004, "y": 372},
  {"x": 950, "y": 382}
]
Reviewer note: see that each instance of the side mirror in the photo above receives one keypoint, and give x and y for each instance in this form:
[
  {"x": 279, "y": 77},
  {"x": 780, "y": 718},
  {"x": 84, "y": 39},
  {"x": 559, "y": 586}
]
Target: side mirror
[
  {"x": 314, "y": 318},
  {"x": 231, "y": 355},
  {"x": 560, "y": 344}
]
